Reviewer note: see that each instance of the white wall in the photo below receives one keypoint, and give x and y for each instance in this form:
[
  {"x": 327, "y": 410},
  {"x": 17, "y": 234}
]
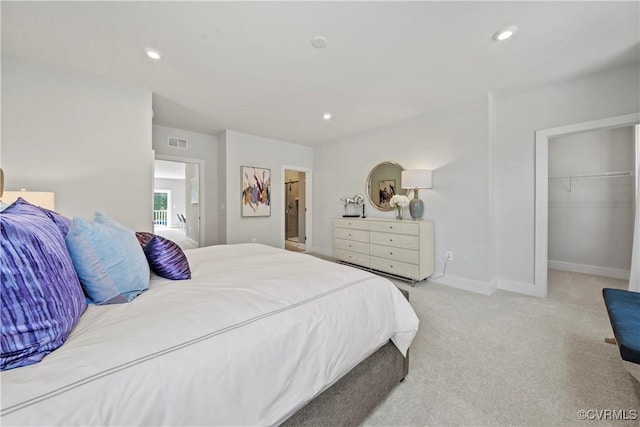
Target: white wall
[
  {"x": 193, "y": 212},
  {"x": 250, "y": 150},
  {"x": 203, "y": 148},
  {"x": 86, "y": 139},
  {"x": 634, "y": 276},
  {"x": 222, "y": 188},
  {"x": 607, "y": 94},
  {"x": 586, "y": 236},
  {"x": 454, "y": 143},
  {"x": 178, "y": 194}
]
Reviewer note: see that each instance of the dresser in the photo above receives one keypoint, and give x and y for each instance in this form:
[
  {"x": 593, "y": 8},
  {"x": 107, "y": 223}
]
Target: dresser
[{"x": 399, "y": 248}]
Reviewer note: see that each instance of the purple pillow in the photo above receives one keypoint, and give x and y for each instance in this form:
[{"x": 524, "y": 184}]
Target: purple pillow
[
  {"x": 143, "y": 238},
  {"x": 167, "y": 259},
  {"x": 41, "y": 296},
  {"x": 23, "y": 207}
]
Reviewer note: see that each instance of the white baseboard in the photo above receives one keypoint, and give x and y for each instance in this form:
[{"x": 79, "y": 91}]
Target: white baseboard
[
  {"x": 520, "y": 288},
  {"x": 589, "y": 269},
  {"x": 476, "y": 286},
  {"x": 192, "y": 242}
]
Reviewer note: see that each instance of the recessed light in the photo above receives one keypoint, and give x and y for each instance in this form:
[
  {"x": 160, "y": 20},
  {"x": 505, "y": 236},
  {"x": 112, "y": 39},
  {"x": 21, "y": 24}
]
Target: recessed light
[
  {"x": 319, "y": 42},
  {"x": 326, "y": 116},
  {"x": 153, "y": 54},
  {"x": 505, "y": 33}
]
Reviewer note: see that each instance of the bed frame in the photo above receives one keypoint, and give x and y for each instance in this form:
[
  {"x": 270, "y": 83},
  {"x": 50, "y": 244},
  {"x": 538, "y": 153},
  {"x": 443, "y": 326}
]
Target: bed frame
[{"x": 350, "y": 400}]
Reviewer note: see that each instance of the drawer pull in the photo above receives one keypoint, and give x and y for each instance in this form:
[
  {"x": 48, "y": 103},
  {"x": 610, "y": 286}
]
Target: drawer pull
[
  {"x": 391, "y": 227},
  {"x": 349, "y": 245},
  {"x": 390, "y": 253},
  {"x": 349, "y": 234},
  {"x": 391, "y": 240},
  {"x": 349, "y": 223},
  {"x": 391, "y": 266}
]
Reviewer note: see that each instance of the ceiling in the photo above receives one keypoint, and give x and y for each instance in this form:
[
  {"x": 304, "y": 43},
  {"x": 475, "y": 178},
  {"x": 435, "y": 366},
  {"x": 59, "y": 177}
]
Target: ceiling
[
  {"x": 250, "y": 66},
  {"x": 169, "y": 170}
]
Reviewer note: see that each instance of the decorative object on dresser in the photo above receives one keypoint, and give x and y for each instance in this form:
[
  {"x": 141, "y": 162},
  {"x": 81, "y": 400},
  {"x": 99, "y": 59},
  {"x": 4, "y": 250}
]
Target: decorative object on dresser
[
  {"x": 401, "y": 249},
  {"x": 384, "y": 182},
  {"x": 399, "y": 202},
  {"x": 416, "y": 179},
  {"x": 356, "y": 201}
]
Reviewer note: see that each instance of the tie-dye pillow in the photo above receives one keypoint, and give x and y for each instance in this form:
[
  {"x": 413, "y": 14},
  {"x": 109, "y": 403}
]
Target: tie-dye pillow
[{"x": 41, "y": 297}]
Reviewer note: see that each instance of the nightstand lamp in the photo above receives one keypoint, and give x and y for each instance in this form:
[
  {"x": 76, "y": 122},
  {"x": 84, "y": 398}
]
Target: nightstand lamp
[
  {"x": 44, "y": 199},
  {"x": 416, "y": 179}
]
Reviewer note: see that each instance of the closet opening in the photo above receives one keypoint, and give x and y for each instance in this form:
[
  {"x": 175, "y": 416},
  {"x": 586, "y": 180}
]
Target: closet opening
[{"x": 591, "y": 211}]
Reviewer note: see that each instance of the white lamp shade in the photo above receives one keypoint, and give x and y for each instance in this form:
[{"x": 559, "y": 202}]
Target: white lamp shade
[
  {"x": 417, "y": 178},
  {"x": 44, "y": 199}
]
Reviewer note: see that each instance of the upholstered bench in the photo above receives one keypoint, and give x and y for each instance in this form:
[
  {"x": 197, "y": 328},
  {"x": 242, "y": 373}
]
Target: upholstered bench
[{"x": 624, "y": 313}]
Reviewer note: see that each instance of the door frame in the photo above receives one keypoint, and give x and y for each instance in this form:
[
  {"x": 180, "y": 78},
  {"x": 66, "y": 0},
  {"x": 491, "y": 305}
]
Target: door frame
[
  {"x": 203, "y": 193},
  {"x": 541, "y": 228},
  {"x": 308, "y": 198}
]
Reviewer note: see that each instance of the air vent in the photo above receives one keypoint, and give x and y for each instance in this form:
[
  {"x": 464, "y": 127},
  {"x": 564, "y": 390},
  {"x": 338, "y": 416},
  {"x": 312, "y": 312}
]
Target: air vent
[{"x": 177, "y": 142}]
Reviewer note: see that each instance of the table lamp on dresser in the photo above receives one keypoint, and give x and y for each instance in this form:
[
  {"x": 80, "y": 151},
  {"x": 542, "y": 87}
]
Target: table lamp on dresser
[{"x": 416, "y": 179}]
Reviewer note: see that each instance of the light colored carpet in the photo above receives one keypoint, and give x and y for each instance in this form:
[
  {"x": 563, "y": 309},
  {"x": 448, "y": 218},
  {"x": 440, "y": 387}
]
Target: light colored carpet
[
  {"x": 511, "y": 360},
  {"x": 176, "y": 234}
]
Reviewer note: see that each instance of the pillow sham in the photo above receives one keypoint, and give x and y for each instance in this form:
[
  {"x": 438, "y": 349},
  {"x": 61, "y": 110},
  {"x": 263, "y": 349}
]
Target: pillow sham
[
  {"x": 108, "y": 259},
  {"x": 143, "y": 238},
  {"x": 24, "y": 207},
  {"x": 41, "y": 297},
  {"x": 167, "y": 259}
]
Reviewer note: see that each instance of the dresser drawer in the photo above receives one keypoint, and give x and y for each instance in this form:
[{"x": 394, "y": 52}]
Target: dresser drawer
[
  {"x": 398, "y": 227},
  {"x": 398, "y": 268},
  {"x": 395, "y": 240},
  {"x": 350, "y": 223},
  {"x": 348, "y": 234},
  {"x": 352, "y": 245},
  {"x": 397, "y": 254},
  {"x": 352, "y": 257}
]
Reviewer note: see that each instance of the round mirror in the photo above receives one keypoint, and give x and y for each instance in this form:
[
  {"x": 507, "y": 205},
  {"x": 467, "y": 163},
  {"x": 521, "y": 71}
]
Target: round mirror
[{"x": 383, "y": 182}]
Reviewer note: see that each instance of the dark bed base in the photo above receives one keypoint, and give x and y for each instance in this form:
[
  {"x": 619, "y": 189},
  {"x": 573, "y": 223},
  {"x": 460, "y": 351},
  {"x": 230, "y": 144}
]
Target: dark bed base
[{"x": 350, "y": 400}]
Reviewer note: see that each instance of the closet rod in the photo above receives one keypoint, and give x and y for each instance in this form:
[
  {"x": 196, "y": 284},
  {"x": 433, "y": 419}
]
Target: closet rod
[{"x": 597, "y": 175}]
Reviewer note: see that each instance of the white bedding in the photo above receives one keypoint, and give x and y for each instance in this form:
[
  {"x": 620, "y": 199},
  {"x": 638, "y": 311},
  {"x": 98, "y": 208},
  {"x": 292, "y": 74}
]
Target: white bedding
[{"x": 255, "y": 335}]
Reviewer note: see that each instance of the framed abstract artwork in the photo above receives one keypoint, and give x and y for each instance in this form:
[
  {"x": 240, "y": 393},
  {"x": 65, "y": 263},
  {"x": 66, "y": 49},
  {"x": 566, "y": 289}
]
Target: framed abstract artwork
[{"x": 256, "y": 191}]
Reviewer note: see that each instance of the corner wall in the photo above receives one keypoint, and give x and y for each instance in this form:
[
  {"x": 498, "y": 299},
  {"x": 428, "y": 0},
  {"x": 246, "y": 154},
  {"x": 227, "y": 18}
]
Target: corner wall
[
  {"x": 452, "y": 141},
  {"x": 86, "y": 139},
  {"x": 607, "y": 94},
  {"x": 203, "y": 148},
  {"x": 250, "y": 150}
]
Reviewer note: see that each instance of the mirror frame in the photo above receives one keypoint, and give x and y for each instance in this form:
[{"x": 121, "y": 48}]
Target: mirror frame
[{"x": 404, "y": 191}]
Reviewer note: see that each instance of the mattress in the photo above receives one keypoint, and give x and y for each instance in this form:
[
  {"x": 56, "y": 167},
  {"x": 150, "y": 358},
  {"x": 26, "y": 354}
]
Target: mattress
[{"x": 250, "y": 339}]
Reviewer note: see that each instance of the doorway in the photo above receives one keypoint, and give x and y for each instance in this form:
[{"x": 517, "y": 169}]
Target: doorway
[
  {"x": 591, "y": 207},
  {"x": 542, "y": 138},
  {"x": 295, "y": 210},
  {"x": 176, "y": 200}
]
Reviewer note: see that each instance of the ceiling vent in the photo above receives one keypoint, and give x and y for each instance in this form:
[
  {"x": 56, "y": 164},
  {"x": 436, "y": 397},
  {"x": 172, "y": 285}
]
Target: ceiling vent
[{"x": 177, "y": 142}]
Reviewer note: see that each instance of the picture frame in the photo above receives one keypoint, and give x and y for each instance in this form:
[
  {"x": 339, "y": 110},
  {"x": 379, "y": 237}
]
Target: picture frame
[
  {"x": 195, "y": 191},
  {"x": 387, "y": 189},
  {"x": 255, "y": 191}
]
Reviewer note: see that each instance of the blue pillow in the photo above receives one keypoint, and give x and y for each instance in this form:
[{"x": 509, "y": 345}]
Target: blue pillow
[
  {"x": 41, "y": 297},
  {"x": 108, "y": 259},
  {"x": 167, "y": 259}
]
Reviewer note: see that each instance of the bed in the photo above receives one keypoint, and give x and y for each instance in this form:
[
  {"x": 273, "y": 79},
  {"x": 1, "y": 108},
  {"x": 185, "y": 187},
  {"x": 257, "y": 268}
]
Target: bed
[{"x": 258, "y": 336}]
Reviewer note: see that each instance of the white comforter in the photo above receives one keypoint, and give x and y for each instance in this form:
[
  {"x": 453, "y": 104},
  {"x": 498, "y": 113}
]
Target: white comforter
[{"x": 255, "y": 334}]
